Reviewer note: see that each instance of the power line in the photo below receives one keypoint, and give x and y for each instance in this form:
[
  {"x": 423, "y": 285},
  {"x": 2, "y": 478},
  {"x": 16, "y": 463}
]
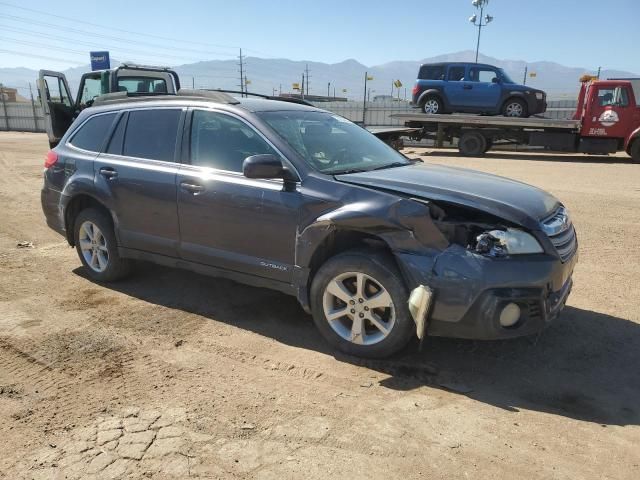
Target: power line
[
  {"x": 118, "y": 49},
  {"x": 46, "y": 57},
  {"x": 84, "y": 22},
  {"x": 109, "y": 37}
]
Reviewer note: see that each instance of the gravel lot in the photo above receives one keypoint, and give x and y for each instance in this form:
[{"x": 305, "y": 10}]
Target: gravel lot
[{"x": 171, "y": 374}]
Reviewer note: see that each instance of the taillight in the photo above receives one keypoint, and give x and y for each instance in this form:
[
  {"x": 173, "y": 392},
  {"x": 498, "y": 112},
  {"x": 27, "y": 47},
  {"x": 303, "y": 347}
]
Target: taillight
[
  {"x": 415, "y": 90},
  {"x": 50, "y": 159}
]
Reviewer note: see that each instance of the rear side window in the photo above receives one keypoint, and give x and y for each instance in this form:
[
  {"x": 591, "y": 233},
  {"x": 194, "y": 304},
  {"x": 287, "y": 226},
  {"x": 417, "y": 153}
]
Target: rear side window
[
  {"x": 92, "y": 134},
  {"x": 431, "y": 72},
  {"x": 456, "y": 73},
  {"x": 152, "y": 134},
  {"x": 115, "y": 144},
  {"x": 142, "y": 85}
]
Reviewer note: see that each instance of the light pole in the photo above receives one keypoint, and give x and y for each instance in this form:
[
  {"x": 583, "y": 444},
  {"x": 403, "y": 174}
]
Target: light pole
[{"x": 477, "y": 21}]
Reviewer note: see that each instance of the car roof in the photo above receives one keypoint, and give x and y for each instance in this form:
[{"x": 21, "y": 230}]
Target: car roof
[{"x": 445, "y": 64}]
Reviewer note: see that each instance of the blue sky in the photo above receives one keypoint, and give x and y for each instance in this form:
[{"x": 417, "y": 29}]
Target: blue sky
[{"x": 587, "y": 33}]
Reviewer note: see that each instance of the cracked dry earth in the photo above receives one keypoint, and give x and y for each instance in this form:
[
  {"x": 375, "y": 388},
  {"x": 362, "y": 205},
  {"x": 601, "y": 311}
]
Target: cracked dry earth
[{"x": 172, "y": 375}]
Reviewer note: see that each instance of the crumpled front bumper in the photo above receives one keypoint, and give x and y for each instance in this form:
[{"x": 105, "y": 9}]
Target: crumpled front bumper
[{"x": 470, "y": 291}]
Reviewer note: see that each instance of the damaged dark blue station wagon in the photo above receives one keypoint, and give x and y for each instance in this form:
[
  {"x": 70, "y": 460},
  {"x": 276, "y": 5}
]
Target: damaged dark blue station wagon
[{"x": 378, "y": 248}]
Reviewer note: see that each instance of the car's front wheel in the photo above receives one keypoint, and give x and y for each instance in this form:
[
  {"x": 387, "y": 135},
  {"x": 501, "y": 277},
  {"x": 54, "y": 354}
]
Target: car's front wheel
[
  {"x": 97, "y": 247},
  {"x": 515, "y": 108},
  {"x": 359, "y": 304}
]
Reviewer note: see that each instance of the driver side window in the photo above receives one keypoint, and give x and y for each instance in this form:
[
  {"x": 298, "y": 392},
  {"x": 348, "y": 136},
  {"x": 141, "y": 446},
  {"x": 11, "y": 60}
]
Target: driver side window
[{"x": 223, "y": 142}]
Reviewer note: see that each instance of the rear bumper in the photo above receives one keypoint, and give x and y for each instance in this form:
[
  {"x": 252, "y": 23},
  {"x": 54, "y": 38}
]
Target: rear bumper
[
  {"x": 470, "y": 291},
  {"x": 51, "y": 207}
]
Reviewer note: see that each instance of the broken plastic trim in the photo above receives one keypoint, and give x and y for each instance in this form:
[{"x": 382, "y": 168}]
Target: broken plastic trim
[{"x": 419, "y": 304}]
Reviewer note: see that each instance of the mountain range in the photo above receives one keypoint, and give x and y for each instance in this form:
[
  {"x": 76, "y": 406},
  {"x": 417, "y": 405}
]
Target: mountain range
[{"x": 269, "y": 75}]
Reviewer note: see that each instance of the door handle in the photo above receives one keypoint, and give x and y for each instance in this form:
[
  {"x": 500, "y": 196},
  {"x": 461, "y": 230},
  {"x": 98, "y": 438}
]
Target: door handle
[
  {"x": 467, "y": 87},
  {"x": 108, "y": 172},
  {"x": 192, "y": 187}
]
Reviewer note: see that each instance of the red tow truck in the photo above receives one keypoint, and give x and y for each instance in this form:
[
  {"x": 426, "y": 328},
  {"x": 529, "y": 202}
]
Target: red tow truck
[{"x": 607, "y": 120}]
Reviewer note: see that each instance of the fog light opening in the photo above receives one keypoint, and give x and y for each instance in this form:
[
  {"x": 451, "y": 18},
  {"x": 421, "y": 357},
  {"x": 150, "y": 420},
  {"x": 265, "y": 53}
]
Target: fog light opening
[{"x": 510, "y": 315}]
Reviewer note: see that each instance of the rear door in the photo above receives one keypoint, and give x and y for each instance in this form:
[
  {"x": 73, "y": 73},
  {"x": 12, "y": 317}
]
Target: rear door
[
  {"x": 55, "y": 98},
  {"x": 137, "y": 172},
  {"x": 454, "y": 87}
]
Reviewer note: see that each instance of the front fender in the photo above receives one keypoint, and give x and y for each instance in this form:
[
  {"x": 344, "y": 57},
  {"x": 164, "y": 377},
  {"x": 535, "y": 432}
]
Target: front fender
[
  {"x": 627, "y": 143},
  {"x": 404, "y": 225}
]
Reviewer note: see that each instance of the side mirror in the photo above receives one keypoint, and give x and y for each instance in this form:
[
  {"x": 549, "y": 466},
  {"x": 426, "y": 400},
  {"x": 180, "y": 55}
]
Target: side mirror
[
  {"x": 263, "y": 166},
  {"x": 495, "y": 80}
]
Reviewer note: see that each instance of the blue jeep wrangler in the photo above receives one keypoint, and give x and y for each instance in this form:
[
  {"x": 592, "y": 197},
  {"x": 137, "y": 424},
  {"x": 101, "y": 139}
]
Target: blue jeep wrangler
[{"x": 474, "y": 88}]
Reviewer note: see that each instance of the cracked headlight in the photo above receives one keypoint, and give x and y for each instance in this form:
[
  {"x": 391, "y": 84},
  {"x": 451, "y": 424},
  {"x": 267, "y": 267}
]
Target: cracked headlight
[{"x": 498, "y": 243}]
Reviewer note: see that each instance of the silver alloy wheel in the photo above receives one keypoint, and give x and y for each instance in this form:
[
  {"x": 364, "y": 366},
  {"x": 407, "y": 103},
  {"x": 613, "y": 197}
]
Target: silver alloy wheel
[
  {"x": 431, "y": 106},
  {"x": 358, "y": 308},
  {"x": 514, "y": 109},
  {"x": 93, "y": 246}
]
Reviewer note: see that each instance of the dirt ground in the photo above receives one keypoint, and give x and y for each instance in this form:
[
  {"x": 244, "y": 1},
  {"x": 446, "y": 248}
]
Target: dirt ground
[{"x": 174, "y": 375}]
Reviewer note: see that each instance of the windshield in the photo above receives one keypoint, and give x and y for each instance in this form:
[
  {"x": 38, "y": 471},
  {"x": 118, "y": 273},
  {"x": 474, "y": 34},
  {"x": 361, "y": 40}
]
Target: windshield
[
  {"x": 332, "y": 144},
  {"x": 505, "y": 78}
]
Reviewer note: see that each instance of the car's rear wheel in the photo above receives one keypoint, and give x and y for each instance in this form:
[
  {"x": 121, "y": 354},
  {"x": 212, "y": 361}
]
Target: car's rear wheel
[
  {"x": 97, "y": 247},
  {"x": 359, "y": 304},
  {"x": 472, "y": 144},
  {"x": 515, "y": 108},
  {"x": 432, "y": 105}
]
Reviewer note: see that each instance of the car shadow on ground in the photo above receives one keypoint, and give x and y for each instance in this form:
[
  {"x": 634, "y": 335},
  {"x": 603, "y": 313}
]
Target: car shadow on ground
[
  {"x": 585, "y": 366},
  {"x": 542, "y": 156}
]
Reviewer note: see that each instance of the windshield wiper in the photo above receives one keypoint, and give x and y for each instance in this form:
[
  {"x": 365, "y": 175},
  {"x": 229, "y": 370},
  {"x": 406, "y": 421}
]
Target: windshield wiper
[
  {"x": 391, "y": 165},
  {"x": 344, "y": 172}
]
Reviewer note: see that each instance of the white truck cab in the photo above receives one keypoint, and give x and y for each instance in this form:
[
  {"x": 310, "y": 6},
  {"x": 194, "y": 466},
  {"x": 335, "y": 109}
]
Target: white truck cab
[{"x": 60, "y": 109}]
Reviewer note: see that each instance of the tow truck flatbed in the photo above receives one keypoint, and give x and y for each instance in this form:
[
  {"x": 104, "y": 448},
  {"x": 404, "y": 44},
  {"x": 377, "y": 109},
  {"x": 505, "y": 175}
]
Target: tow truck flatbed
[{"x": 479, "y": 121}]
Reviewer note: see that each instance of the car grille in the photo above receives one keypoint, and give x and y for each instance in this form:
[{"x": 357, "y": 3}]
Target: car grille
[{"x": 560, "y": 231}]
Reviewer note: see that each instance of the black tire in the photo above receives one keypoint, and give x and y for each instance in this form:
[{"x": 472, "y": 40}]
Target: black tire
[
  {"x": 634, "y": 151},
  {"x": 489, "y": 145},
  {"x": 53, "y": 145},
  {"x": 115, "y": 267},
  {"x": 515, "y": 107},
  {"x": 381, "y": 270},
  {"x": 472, "y": 144},
  {"x": 432, "y": 105}
]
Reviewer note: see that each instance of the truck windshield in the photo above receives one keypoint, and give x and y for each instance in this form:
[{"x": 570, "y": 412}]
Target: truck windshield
[
  {"x": 332, "y": 144},
  {"x": 505, "y": 78}
]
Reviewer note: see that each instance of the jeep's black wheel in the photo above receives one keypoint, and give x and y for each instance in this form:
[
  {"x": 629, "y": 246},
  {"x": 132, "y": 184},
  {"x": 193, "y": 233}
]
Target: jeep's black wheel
[
  {"x": 432, "y": 105},
  {"x": 488, "y": 145},
  {"x": 97, "y": 247},
  {"x": 359, "y": 304},
  {"x": 515, "y": 107},
  {"x": 472, "y": 144},
  {"x": 634, "y": 151}
]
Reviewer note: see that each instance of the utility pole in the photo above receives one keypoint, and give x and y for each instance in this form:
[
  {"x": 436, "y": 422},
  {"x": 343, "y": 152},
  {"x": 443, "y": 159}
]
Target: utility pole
[
  {"x": 193, "y": 82},
  {"x": 307, "y": 72},
  {"x": 599, "y": 68},
  {"x": 280, "y": 90},
  {"x": 302, "y": 88},
  {"x": 524, "y": 80},
  {"x": 478, "y": 21},
  {"x": 328, "y": 89},
  {"x": 364, "y": 102},
  {"x": 241, "y": 74},
  {"x": 33, "y": 108}
]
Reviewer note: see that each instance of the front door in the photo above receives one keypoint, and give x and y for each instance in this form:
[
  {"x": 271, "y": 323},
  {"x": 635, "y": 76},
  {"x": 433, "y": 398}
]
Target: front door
[
  {"x": 486, "y": 90},
  {"x": 137, "y": 173},
  {"x": 610, "y": 113},
  {"x": 57, "y": 106},
  {"x": 226, "y": 219}
]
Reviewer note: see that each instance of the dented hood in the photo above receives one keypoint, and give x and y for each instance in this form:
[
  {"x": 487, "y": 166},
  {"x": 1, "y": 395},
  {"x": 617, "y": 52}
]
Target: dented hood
[{"x": 511, "y": 200}]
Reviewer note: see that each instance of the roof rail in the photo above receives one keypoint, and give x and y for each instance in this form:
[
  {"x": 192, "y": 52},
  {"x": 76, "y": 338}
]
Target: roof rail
[
  {"x": 261, "y": 95},
  {"x": 125, "y": 97}
]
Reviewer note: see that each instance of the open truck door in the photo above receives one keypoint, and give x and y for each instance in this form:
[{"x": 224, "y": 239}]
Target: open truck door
[{"x": 57, "y": 105}]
